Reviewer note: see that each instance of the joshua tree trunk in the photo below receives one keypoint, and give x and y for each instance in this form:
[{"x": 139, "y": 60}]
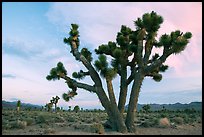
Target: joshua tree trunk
[
  {"x": 18, "y": 109},
  {"x": 123, "y": 90},
  {"x": 133, "y": 101},
  {"x": 55, "y": 107},
  {"x": 117, "y": 119}
]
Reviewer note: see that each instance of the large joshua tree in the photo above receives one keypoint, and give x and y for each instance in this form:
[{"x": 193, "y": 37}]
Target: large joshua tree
[{"x": 131, "y": 52}]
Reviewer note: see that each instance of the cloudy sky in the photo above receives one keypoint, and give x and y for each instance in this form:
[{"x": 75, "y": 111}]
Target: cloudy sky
[{"x": 32, "y": 43}]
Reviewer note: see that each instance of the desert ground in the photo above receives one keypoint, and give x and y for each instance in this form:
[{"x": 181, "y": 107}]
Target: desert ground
[{"x": 91, "y": 123}]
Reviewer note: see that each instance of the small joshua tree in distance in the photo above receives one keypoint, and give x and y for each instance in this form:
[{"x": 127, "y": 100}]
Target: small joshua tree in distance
[
  {"x": 76, "y": 108},
  {"x": 18, "y": 105}
]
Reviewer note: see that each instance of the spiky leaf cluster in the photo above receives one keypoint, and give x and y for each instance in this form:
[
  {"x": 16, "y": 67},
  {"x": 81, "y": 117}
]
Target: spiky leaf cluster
[
  {"x": 123, "y": 37},
  {"x": 78, "y": 75},
  {"x": 56, "y": 72},
  {"x": 69, "y": 95},
  {"x": 87, "y": 54},
  {"x": 163, "y": 68},
  {"x": 106, "y": 48},
  {"x": 74, "y": 34},
  {"x": 115, "y": 63},
  {"x": 55, "y": 100},
  {"x": 102, "y": 65},
  {"x": 117, "y": 53},
  {"x": 150, "y": 21},
  {"x": 157, "y": 77},
  {"x": 175, "y": 42},
  {"x": 155, "y": 74}
]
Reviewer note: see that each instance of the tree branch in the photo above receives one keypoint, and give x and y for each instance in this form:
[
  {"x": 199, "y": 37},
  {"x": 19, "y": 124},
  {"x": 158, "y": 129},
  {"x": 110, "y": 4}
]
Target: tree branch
[
  {"x": 78, "y": 84},
  {"x": 139, "y": 54},
  {"x": 148, "y": 49},
  {"x": 94, "y": 75},
  {"x": 155, "y": 64},
  {"x": 132, "y": 75}
]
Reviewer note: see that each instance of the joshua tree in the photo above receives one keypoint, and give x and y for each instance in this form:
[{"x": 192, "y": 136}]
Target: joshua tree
[
  {"x": 76, "y": 108},
  {"x": 18, "y": 105},
  {"x": 132, "y": 52},
  {"x": 55, "y": 101}
]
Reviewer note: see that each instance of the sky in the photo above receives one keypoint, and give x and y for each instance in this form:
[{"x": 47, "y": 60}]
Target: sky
[{"x": 32, "y": 43}]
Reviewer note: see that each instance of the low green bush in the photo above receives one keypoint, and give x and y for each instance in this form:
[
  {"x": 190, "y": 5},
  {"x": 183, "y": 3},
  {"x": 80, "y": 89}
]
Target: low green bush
[
  {"x": 178, "y": 120},
  {"x": 19, "y": 124},
  {"x": 71, "y": 119},
  {"x": 29, "y": 121},
  {"x": 97, "y": 128}
]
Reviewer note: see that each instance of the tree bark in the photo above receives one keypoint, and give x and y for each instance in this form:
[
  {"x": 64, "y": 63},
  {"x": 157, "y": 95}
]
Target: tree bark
[
  {"x": 123, "y": 90},
  {"x": 118, "y": 121},
  {"x": 133, "y": 101},
  {"x": 112, "y": 111}
]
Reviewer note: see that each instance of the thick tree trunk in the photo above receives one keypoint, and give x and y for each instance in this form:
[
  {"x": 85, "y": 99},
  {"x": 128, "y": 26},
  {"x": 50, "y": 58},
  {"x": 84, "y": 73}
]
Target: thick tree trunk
[
  {"x": 123, "y": 90},
  {"x": 133, "y": 101},
  {"x": 117, "y": 120},
  {"x": 114, "y": 114}
]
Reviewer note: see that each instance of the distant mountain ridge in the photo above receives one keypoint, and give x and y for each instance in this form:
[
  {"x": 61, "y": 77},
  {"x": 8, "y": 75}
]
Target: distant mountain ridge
[
  {"x": 176, "y": 106},
  {"x": 7, "y": 104},
  {"x": 154, "y": 106}
]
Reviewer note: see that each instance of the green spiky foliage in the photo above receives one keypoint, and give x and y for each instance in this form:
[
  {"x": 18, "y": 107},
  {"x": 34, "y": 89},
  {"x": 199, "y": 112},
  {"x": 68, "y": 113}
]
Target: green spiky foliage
[
  {"x": 80, "y": 75},
  {"x": 74, "y": 34},
  {"x": 175, "y": 42},
  {"x": 87, "y": 54},
  {"x": 56, "y": 72},
  {"x": 102, "y": 66},
  {"x": 68, "y": 96}
]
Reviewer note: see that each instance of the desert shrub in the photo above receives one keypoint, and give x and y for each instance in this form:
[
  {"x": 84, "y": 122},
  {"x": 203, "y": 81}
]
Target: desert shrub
[
  {"x": 164, "y": 122},
  {"x": 154, "y": 121},
  {"x": 145, "y": 124},
  {"x": 41, "y": 119},
  {"x": 29, "y": 121},
  {"x": 97, "y": 128},
  {"x": 89, "y": 120},
  {"x": 5, "y": 124},
  {"x": 178, "y": 120},
  {"x": 192, "y": 116},
  {"x": 97, "y": 120},
  {"x": 199, "y": 119},
  {"x": 58, "y": 119},
  {"x": 163, "y": 115},
  {"x": 150, "y": 122},
  {"x": 71, "y": 119},
  {"x": 19, "y": 124}
]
